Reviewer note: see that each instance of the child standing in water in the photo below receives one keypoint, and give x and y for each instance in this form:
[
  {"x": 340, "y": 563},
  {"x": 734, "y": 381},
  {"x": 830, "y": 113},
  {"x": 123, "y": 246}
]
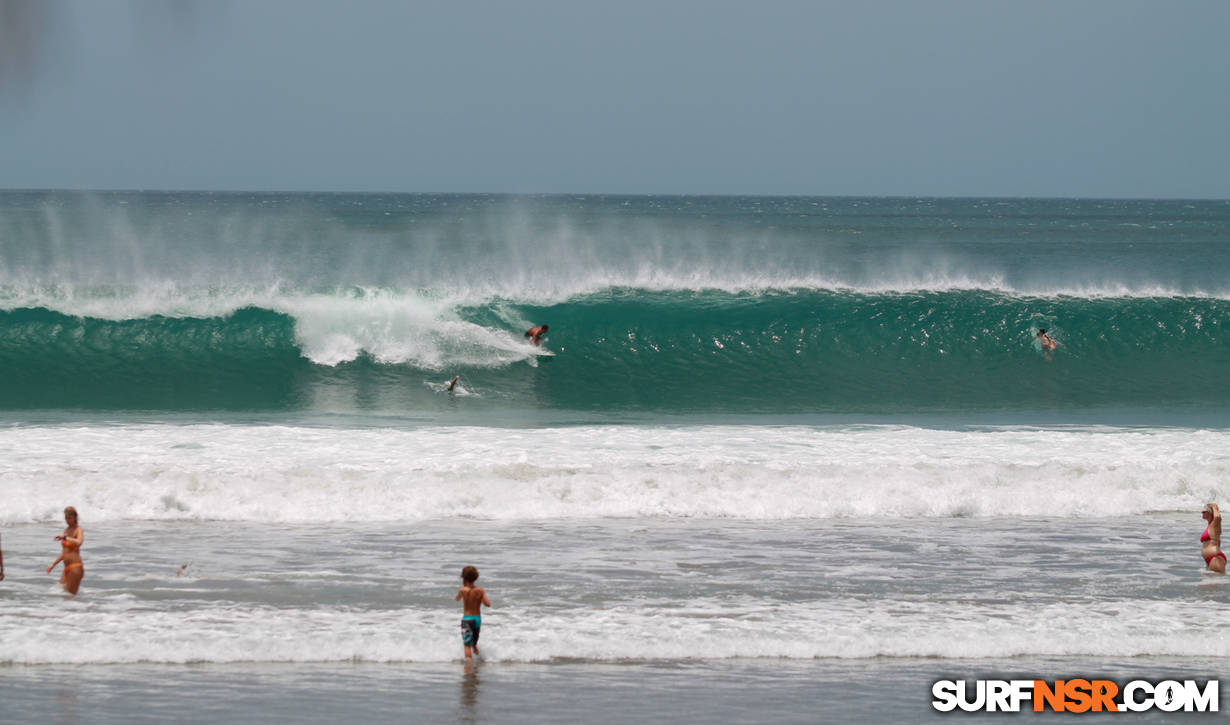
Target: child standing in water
[{"x": 472, "y": 598}]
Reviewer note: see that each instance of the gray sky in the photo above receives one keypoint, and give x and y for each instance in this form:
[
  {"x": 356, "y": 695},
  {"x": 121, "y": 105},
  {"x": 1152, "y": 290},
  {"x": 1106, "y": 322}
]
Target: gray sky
[{"x": 1103, "y": 98}]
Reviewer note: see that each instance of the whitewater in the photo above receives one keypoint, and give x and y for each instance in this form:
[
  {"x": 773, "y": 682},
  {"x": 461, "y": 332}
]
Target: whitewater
[{"x": 300, "y": 475}]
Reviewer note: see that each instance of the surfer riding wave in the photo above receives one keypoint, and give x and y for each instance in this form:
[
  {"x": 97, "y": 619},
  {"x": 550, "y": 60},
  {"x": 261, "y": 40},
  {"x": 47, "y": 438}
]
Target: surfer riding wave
[{"x": 535, "y": 334}]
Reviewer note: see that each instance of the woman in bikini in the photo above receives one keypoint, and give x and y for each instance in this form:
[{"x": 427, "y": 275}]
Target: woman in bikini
[
  {"x": 70, "y": 553},
  {"x": 1210, "y": 540}
]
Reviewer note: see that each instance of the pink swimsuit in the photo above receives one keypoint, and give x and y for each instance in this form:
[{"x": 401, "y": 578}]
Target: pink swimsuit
[{"x": 1205, "y": 537}]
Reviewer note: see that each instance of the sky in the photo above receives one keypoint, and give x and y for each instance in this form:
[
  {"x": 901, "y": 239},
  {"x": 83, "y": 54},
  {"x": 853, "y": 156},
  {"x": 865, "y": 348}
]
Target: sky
[{"x": 1098, "y": 98}]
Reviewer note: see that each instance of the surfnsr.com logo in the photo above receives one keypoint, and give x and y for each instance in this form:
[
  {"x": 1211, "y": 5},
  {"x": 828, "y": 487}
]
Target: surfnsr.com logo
[{"x": 1076, "y": 695}]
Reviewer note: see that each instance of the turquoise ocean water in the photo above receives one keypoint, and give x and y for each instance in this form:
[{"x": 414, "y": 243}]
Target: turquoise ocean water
[{"x": 658, "y": 305}]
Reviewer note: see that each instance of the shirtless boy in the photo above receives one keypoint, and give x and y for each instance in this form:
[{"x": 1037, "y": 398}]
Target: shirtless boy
[{"x": 472, "y": 598}]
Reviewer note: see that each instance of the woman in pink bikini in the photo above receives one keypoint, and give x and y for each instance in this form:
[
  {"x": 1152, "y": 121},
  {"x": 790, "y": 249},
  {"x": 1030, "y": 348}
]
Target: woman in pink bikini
[
  {"x": 1210, "y": 540},
  {"x": 70, "y": 553}
]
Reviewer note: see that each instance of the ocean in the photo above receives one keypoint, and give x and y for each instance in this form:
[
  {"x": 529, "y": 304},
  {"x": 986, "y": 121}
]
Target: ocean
[{"x": 789, "y": 459}]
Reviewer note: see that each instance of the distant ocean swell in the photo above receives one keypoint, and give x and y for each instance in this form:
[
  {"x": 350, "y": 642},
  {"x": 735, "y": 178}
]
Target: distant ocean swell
[{"x": 789, "y": 350}]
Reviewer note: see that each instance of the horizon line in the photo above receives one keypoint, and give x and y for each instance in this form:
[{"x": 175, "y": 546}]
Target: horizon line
[{"x": 120, "y": 190}]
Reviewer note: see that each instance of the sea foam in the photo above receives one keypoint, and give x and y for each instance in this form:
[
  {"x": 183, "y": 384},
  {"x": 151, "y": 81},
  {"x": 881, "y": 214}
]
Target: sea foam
[
  {"x": 108, "y": 632},
  {"x": 305, "y": 474}
]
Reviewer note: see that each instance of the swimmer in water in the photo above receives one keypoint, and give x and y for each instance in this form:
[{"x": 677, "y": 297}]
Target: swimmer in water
[
  {"x": 1046, "y": 341},
  {"x": 453, "y": 383},
  {"x": 535, "y": 334},
  {"x": 70, "y": 554},
  {"x": 1210, "y": 540}
]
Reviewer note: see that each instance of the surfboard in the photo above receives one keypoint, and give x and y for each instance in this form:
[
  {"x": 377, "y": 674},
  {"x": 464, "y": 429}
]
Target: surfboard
[{"x": 536, "y": 354}]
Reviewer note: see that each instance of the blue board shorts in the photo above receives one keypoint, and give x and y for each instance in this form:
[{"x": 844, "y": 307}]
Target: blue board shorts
[{"x": 470, "y": 625}]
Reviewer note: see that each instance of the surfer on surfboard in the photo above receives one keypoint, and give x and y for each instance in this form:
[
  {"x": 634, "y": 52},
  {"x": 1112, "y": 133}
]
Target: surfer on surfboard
[
  {"x": 453, "y": 383},
  {"x": 535, "y": 334}
]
